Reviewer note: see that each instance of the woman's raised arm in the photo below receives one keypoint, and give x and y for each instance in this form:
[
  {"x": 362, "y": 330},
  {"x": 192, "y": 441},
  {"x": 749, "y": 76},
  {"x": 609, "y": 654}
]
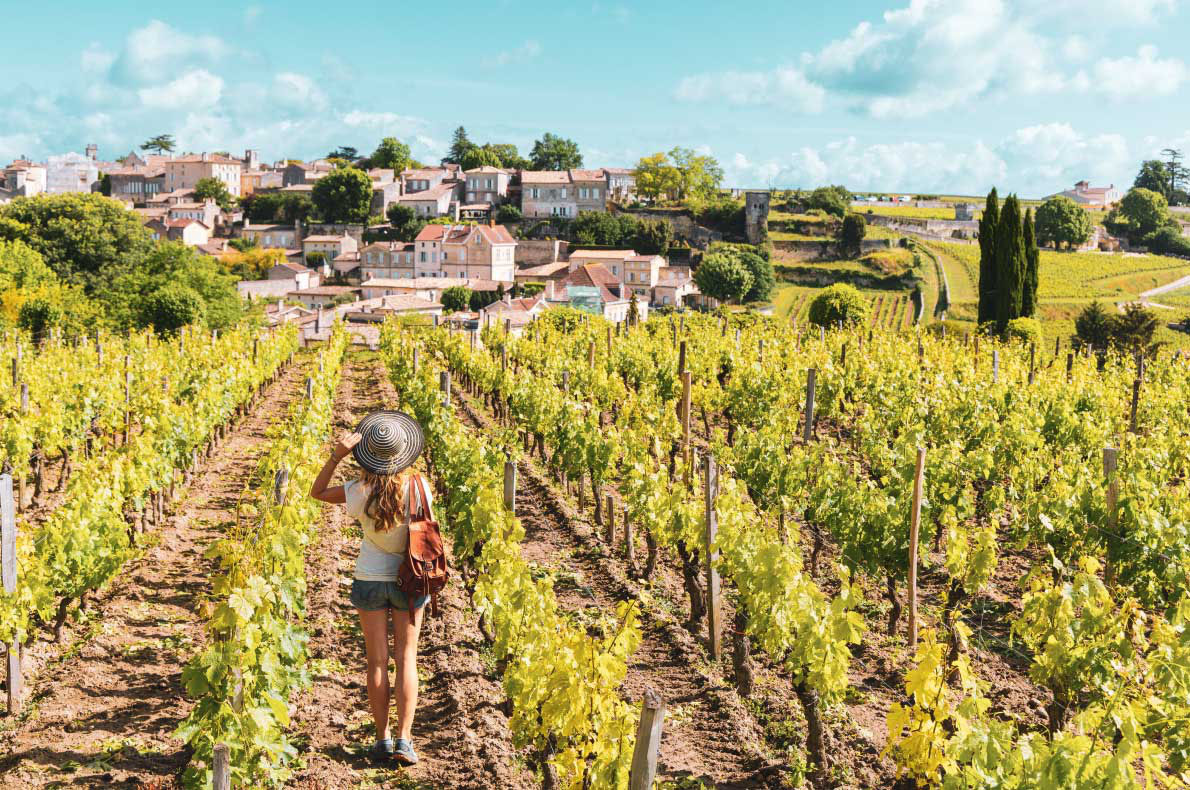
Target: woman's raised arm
[{"x": 333, "y": 494}]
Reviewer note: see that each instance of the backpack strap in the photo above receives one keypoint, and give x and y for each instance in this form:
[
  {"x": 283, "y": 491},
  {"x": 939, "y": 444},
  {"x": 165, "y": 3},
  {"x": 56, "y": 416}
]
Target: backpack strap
[{"x": 419, "y": 482}]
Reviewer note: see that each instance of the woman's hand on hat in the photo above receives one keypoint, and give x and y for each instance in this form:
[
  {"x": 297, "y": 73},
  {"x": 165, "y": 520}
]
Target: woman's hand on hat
[{"x": 344, "y": 445}]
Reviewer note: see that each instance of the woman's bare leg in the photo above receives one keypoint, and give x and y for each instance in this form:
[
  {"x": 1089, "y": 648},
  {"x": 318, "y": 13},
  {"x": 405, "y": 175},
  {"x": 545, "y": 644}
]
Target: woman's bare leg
[
  {"x": 406, "y": 629},
  {"x": 375, "y": 627}
]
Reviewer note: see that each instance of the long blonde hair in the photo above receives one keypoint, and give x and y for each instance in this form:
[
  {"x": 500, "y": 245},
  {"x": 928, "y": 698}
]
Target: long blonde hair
[{"x": 386, "y": 498}]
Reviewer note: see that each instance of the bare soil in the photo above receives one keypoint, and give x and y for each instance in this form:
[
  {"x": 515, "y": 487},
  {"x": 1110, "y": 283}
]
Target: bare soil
[{"x": 102, "y": 706}]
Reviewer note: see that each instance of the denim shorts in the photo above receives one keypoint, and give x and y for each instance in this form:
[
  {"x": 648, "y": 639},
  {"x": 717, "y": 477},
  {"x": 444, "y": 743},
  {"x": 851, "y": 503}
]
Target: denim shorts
[{"x": 374, "y": 596}]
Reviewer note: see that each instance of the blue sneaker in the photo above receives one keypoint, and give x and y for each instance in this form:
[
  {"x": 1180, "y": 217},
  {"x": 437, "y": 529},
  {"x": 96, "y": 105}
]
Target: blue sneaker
[
  {"x": 382, "y": 750},
  {"x": 403, "y": 753}
]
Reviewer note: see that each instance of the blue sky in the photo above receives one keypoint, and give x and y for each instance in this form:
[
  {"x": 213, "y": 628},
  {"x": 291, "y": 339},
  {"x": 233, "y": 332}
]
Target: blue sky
[{"x": 913, "y": 95}]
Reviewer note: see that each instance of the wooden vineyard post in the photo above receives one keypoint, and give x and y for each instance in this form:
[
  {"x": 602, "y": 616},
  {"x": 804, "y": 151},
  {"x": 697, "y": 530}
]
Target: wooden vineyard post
[
  {"x": 510, "y": 487},
  {"x": 686, "y": 419},
  {"x": 309, "y": 388},
  {"x": 221, "y": 768},
  {"x": 811, "y": 384},
  {"x": 609, "y": 341},
  {"x": 591, "y": 355},
  {"x": 681, "y": 357},
  {"x": 648, "y": 741},
  {"x": 611, "y": 520},
  {"x": 1132, "y": 426},
  {"x": 1057, "y": 346},
  {"x": 21, "y": 480},
  {"x": 280, "y": 484},
  {"x": 995, "y": 366},
  {"x": 504, "y": 358},
  {"x": 914, "y": 528},
  {"x": 415, "y": 360},
  {"x": 629, "y": 545},
  {"x": 1069, "y": 365},
  {"x": 127, "y": 400},
  {"x": 1112, "y": 496},
  {"x": 714, "y": 597},
  {"x": 760, "y": 350},
  {"x": 444, "y": 385},
  {"x": 8, "y": 575},
  {"x": 1032, "y": 362}
]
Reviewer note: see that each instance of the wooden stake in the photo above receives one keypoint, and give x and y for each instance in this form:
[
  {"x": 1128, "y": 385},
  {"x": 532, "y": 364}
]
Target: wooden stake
[
  {"x": 221, "y": 768},
  {"x": 444, "y": 385},
  {"x": 914, "y": 526},
  {"x": 714, "y": 602},
  {"x": 629, "y": 545},
  {"x": 1132, "y": 426},
  {"x": 648, "y": 741},
  {"x": 415, "y": 359},
  {"x": 510, "y": 487},
  {"x": 281, "y": 485},
  {"x": 1032, "y": 362},
  {"x": 1069, "y": 366},
  {"x": 681, "y": 357},
  {"x": 685, "y": 416},
  {"x": 611, "y": 520},
  {"x": 811, "y": 385},
  {"x": 995, "y": 365},
  {"x": 8, "y": 577}
]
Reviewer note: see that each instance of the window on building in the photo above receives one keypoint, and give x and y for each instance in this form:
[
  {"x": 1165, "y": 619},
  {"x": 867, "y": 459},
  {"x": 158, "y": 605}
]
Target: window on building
[{"x": 423, "y": 256}]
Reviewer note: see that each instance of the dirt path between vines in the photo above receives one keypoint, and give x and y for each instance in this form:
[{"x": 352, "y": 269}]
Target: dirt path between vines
[
  {"x": 710, "y": 736},
  {"x": 103, "y": 708},
  {"x": 460, "y": 731}
]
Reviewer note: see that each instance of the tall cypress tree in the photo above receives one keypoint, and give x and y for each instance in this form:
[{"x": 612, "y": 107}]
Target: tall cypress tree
[
  {"x": 987, "y": 257},
  {"x": 1032, "y": 261},
  {"x": 1010, "y": 263}
]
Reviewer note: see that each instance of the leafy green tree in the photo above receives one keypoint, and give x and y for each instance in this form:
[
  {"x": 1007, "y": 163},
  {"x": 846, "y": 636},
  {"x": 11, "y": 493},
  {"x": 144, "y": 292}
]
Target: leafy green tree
[
  {"x": 161, "y": 143},
  {"x": 171, "y": 307},
  {"x": 633, "y": 310},
  {"x": 391, "y": 153},
  {"x": 839, "y": 302},
  {"x": 653, "y": 237},
  {"x": 84, "y": 238},
  {"x": 1134, "y": 330},
  {"x": 1025, "y": 329},
  {"x": 988, "y": 223},
  {"x": 1155, "y": 177},
  {"x": 1179, "y": 174},
  {"x": 38, "y": 315},
  {"x": 1032, "y": 268},
  {"x": 657, "y": 177},
  {"x": 508, "y": 214},
  {"x": 345, "y": 152},
  {"x": 460, "y": 144},
  {"x": 851, "y": 234},
  {"x": 763, "y": 278},
  {"x": 127, "y": 297},
  {"x": 723, "y": 276},
  {"x": 509, "y": 156},
  {"x": 699, "y": 175},
  {"x": 22, "y": 267},
  {"x": 213, "y": 189},
  {"x": 1061, "y": 221},
  {"x": 479, "y": 157},
  {"x": 405, "y": 222},
  {"x": 455, "y": 298},
  {"x": 285, "y": 207},
  {"x": 343, "y": 195},
  {"x": 1010, "y": 263},
  {"x": 832, "y": 199},
  {"x": 555, "y": 153},
  {"x": 244, "y": 244},
  {"x": 1145, "y": 210},
  {"x": 1092, "y": 327}
]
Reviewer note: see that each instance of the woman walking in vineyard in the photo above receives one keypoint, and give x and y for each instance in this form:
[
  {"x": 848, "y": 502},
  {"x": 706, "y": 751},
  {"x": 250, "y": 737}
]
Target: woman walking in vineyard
[{"x": 385, "y": 499}]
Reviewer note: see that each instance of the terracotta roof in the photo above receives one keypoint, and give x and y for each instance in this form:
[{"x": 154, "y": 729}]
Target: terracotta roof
[
  {"x": 182, "y": 223},
  {"x": 425, "y": 172},
  {"x": 485, "y": 169},
  {"x": 603, "y": 255},
  {"x": 641, "y": 258},
  {"x": 346, "y": 256},
  {"x": 595, "y": 275},
  {"x": 414, "y": 283},
  {"x": 496, "y": 234},
  {"x": 388, "y": 246},
  {"x": 293, "y": 267},
  {"x": 398, "y": 303},
  {"x": 322, "y": 239},
  {"x": 433, "y": 193},
  {"x": 545, "y": 177},
  {"x": 619, "y": 171},
  {"x": 211, "y": 158},
  {"x": 587, "y": 175},
  {"x": 522, "y": 305},
  {"x": 432, "y": 233},
  {"x": 325, "y": 290},
  {"x": 545, "y": 269},
  {"x": 267, "y": 228}
]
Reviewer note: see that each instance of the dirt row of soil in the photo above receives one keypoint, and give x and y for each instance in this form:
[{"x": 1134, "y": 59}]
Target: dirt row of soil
[
  {"x": 711, "y": 735},
  {"x": 102, "y": 705},
  {"x": 460, "y": 731}
]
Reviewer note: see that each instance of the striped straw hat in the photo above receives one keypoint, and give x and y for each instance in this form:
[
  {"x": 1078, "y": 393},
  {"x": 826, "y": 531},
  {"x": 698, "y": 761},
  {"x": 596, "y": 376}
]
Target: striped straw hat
[{"x": 389, "y": 442}]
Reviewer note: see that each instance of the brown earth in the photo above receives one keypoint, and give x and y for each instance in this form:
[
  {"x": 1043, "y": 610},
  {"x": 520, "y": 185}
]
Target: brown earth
[{"x": 101, "y": 707}]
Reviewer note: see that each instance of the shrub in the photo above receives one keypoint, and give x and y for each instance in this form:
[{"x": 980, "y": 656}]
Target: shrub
[
  {"x": 1027, "y": 330},
  {"x": 953, "y": 328},
  {"x": 508, "y": 213},
  {"x": 455, "y": 298},
  {"x": 171, "y": 307},
  {"x": 839, "y": 302},
  {"x": 38, "y": 315}
]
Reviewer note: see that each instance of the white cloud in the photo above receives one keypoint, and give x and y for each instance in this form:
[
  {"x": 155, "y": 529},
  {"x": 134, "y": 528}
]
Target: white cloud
[
  {"x": 299, "y": 92},
  {"x": 1141, "y": 76},
  {"x": 1075, "y": 13},
  {"x": 157, "y": 50},
  {"x": 786, "y": 87},
  {"x": 96, "y": 60},
  {"x": 1034, "y": 161},
  {"x": 195, "y": 90},
  {"x": 522, "y": 54}
]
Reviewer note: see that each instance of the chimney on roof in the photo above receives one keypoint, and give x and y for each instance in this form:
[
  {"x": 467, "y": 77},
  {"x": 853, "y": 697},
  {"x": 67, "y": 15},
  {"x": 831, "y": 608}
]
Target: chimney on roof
[{"x": 92, "y": 151}]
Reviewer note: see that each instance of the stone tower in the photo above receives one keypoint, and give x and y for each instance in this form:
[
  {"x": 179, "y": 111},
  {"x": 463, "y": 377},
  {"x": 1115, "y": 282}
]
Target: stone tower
[{"x": 756, "y": 216}]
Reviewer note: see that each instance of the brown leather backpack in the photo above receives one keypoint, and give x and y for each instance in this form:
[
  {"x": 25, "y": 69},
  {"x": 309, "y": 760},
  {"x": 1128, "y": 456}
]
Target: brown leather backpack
[{"x": 424, "y": 570}]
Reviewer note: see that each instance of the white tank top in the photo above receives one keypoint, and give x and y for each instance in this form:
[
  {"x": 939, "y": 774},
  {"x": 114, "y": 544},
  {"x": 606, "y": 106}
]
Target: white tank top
[{"x": 380, "y": 553}]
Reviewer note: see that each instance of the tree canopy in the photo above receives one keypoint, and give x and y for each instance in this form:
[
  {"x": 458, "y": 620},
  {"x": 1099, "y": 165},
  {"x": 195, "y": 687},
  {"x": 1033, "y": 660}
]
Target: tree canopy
[
  {"x": 723, "y": 276},
  {"x": 83, "y": 238},
  {"x": 758, "y": 264},
  {"x": 455, "y": 298},
  {"x": 1145, "y": 210},
  {"x": 851, "y": 234},
  {"x": 213, "y": 189},
  {"x": 285, "y": 207},
  {"x": 460, "y": 145},
  {"x": 555, "y": 153},
  {"x": 343, "y": 195},
  {"x": 161, "y": 143},
  {"x": 1008, "y": 263},
  {"x": 1061, "y": 221},
  {"x": 405, "y": 222},
  {"x": 479, "y": 156},
  {"x": 390, "y": 153},
  {"x": 681, "y": 174},
  {"x": 839, "y": 302}
]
